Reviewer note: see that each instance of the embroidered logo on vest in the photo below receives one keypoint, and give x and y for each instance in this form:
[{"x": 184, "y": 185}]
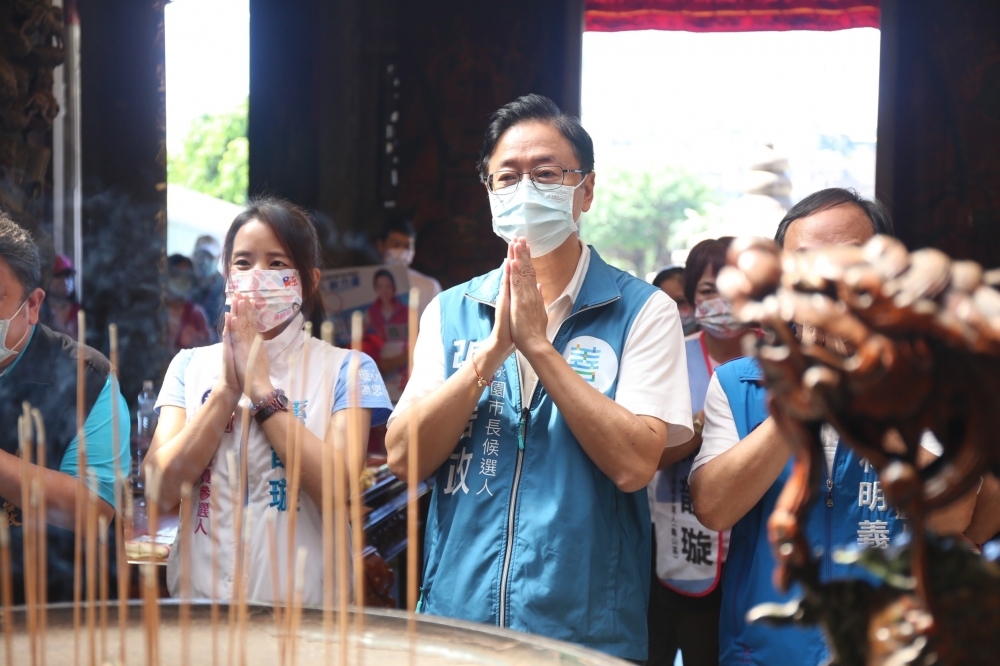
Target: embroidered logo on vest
[{"x": 594, "y": 360}]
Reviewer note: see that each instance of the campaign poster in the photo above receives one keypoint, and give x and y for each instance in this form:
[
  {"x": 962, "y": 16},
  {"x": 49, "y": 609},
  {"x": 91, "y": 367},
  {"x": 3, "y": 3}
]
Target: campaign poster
[{"x": 381, "y": 295}]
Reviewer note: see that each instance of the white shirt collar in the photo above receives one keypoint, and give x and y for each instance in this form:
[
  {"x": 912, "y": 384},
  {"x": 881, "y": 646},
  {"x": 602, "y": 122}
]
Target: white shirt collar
[
  {"x": 572, "y": 290},
  {"x": 286, "y": 340}
]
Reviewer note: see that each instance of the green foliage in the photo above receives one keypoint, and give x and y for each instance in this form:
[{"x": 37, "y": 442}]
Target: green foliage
[
  {"x": 215, "y": 159},
  {"x": 637, "y": 218}
]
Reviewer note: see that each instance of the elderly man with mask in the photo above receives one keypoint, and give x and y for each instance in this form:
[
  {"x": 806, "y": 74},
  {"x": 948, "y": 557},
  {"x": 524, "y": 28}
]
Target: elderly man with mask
[
  {"x": 544, "y": 393},
  {"x": 744, "y": 461},
  {"x": 39, "y": 366}
]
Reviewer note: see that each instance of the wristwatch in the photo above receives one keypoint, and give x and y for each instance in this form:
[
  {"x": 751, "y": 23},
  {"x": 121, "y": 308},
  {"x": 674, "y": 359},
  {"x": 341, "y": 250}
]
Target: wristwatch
[{"x": 270, "y": 404}]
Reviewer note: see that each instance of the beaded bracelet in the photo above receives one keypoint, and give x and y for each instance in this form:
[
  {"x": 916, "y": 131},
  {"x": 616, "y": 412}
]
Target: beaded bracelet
[{"x": 480, "y": 382}]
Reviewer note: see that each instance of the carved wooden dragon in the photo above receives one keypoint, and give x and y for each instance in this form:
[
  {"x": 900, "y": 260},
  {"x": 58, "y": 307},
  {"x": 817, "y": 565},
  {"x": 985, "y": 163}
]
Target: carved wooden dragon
[{"x": 912, "y": 344}]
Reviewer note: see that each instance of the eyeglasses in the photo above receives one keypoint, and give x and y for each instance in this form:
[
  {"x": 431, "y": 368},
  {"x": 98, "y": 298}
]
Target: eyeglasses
[{"x": 544, "y": 178}]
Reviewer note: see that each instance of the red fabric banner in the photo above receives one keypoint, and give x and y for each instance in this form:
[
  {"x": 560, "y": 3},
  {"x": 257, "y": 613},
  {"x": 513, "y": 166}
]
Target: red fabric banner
[{"x": 730, "y": 15}]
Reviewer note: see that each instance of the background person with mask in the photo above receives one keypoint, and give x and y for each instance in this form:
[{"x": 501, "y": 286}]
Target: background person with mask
[
  {"x": 397, "y": 244},
  {"x": 685, "y": 595},
  {"x": 39, "y": 366},
  {"x": 671, "y": 281},
  {"x": 208, "y": 289},
  {"x": 60, "y": 309},
  {"x": 544, "y": 393},
  {"x": 187, "y": 325}
]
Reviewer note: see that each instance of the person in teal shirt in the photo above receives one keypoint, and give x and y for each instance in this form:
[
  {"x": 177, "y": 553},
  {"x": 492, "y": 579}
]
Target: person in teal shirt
[{"x": 39, "y": 366}]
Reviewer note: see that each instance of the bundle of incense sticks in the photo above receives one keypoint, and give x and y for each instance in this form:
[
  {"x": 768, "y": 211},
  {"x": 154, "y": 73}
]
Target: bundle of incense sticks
[
  {"x": 238, "y": 479},
  {"x": 412, "y": 485}
]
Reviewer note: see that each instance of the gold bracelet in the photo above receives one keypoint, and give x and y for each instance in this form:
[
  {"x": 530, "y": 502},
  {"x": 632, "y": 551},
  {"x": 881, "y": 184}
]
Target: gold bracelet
[{"x": 480, "y": 382}]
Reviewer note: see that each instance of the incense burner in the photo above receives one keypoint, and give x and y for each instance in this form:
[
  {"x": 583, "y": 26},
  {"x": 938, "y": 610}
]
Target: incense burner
[{"x": 382, "y": 638}]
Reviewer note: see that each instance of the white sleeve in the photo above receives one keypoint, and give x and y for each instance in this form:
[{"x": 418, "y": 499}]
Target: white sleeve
[
  {"x": 428, "y": 360},
  {"x": 172, "y": 390},
  {"x": 931, "y": 443},
  {"x": 719, "y": 434},
  {"x": 652, "y": 375}
]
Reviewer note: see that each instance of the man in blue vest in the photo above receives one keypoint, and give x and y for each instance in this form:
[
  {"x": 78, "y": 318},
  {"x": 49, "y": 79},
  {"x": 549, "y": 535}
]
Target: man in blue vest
[
  {"x": 543, "y": 394},
  {"x": 744, "y": 461}
]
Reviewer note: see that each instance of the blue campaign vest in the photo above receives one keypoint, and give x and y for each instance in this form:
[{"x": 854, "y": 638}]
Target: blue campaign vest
[
  {"x": 747, "y": 572},
  {"x": 524, "y": 531}
]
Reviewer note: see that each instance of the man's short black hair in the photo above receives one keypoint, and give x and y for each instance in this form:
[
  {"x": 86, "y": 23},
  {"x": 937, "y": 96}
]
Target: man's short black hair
[
  {"x": 21, "y": 254},
  {"x": 828, "y": 198},
  {"x": 668, "y": 273},
  {"x": 535, "y": 108},
  {"x": 178, "y": 261},
  {"x": 397, "y": 223}
]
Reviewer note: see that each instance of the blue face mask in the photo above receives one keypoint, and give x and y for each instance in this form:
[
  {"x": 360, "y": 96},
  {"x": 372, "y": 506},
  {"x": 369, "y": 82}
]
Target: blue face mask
[
  {"x": 544, "y": 218},
  {"x": 5, "y": 351}
]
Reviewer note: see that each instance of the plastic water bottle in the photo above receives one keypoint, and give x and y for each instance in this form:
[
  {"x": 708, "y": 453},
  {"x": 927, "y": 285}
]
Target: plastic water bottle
[{"x": 145, "y": 425}]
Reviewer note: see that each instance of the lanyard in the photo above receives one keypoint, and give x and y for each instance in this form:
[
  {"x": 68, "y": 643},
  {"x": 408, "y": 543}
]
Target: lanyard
[{"x": 704, "y": 352}]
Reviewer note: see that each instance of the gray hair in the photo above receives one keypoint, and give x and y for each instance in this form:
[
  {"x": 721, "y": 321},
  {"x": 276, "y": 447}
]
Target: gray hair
[{"x": 21, "y": 254}]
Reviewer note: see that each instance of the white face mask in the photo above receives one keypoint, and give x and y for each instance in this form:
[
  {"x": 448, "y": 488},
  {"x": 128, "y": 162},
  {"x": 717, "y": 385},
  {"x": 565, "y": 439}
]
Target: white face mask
[
  {"x": 397, "y": 256},
  {"x": 715, "y": 316},
  {"x": 544, "y": 218},
  {"x": 5, "y": 351},
  {"x": 276, "y": 295}
]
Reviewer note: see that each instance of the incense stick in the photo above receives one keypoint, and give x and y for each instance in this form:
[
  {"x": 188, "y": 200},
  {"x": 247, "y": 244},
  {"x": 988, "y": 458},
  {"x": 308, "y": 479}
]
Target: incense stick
[
  {"x": 121, "y": 561},
  {"x": 286, "y": 592},
  {"x": 185, "y": 543},
  {"x": 6, "y": 592},
  {"x": 341, "y": 544},
  {"x": 293, "y": 501},
  {"x": 81, "y": 467},
  {"x": 151, "y": 608},
  {"x": 43, "y": 526},
  {"x": 355, "y": 465},
  {"x": 102, "y": 529},
  {"x": 37, "y": 646},
  {"x": 272, "y": 542},
  {"x": 27, "y": 528},
  {"x": 234, "y": 489},
  {"x": 326, "y": 333},
  {"x": 241, "y": 617},
  {"x": 214, "y": 606},
  {"x": 412, "y": 486},
  {"x": 91, "y": 550},
  {"x": 296, "y": 614}
]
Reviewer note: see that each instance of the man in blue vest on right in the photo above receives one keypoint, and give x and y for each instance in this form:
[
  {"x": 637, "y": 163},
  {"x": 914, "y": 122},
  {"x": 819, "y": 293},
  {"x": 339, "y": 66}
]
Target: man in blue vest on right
[{"x": 744, "y": 461}]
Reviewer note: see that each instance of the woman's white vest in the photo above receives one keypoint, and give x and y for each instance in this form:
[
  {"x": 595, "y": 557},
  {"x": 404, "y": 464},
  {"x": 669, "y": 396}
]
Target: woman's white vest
[{"x": 269, "y": 482}]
